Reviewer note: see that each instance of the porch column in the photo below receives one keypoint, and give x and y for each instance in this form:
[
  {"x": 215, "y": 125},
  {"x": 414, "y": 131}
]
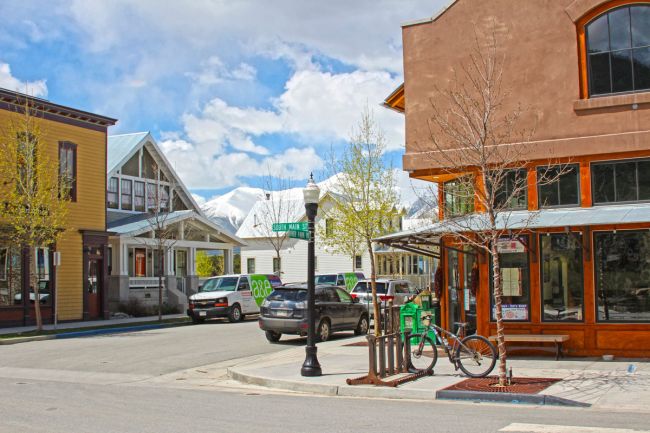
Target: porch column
[
  {"x": 191, "y": 262},
  {"x": 169, "y": 262},
  {"x": 228, "y": 261}
]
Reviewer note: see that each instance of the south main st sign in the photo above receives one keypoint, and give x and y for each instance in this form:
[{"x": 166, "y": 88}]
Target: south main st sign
[{"x": 285, "y": 227}]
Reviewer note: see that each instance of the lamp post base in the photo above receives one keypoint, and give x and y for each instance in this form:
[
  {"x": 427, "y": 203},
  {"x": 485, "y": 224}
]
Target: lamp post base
[{"x": 311, "y": 366}]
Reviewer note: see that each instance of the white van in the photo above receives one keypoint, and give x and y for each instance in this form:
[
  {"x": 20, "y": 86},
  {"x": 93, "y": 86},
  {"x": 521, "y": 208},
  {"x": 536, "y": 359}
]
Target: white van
[{"x": 231, "y": 296}]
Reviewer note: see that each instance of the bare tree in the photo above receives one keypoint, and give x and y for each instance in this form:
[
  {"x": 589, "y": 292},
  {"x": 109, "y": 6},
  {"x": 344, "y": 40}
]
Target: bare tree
[
  {"x": 277, "y": 206},
  {"x": 164, "y": 232},
  {"x": 480, "y": 143}
]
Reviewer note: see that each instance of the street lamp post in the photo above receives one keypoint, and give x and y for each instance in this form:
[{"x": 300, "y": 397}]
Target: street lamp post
[{"x": 311, "y": 366}]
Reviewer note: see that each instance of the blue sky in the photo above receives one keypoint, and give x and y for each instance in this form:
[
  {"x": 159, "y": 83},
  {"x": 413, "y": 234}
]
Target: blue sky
[{"x": 230, "y": 89}]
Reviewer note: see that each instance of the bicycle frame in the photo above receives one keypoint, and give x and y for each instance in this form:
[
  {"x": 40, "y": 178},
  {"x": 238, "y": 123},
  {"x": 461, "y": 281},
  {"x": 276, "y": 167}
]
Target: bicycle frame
[{"x": 440, "y": 340}]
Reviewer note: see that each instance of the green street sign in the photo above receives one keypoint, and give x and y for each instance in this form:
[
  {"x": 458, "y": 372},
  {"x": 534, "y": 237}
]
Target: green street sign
[
  {"x": 299, "y": 234},
  {"x": 285, "y": 227}
]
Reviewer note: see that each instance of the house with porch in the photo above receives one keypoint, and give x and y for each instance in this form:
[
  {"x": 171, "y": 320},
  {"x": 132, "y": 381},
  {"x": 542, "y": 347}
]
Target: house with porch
[
  {"x": 151, "y": 213},
  {"x": 578, "y": 263}
]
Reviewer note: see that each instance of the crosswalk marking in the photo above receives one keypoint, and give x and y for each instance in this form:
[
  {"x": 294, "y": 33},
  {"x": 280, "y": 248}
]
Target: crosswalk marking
[{"x": 544, "y": 428}]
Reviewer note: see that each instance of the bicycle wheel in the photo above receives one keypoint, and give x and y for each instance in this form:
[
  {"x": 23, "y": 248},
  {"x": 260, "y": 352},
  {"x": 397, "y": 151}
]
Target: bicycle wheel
[
  {"x": 476, "y": 356},
  {"x": 423, "y": 352}
]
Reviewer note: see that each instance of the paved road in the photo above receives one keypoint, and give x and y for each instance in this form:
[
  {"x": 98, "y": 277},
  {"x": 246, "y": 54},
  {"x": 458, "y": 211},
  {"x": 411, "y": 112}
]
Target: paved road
[
  {"x": 152, "y": 352},
  {"x": 138, "y": 382}
]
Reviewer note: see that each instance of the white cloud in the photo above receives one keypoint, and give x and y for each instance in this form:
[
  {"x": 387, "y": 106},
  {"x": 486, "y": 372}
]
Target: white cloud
[
  {"x": 8, "y": 81},
  {"x": 214, "y": 71},
  {"x": 200, "y": 200},
  {"x": 200, "y": 171}
]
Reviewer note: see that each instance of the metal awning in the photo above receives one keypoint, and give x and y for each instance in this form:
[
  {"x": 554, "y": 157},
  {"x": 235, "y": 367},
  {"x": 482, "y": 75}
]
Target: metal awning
[{"x": 426, "y": 239}]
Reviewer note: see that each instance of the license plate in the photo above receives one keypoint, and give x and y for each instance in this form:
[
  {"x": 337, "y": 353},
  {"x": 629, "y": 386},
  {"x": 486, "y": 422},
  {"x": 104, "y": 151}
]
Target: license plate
[
  {"x": 203, "y": 313},
  {"x": 283, "y": 313}
]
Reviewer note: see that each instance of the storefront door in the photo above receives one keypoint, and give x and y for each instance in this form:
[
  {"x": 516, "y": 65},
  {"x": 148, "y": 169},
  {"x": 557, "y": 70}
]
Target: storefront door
[
  {"x": 470, "y": 287},
  {"x": 454, "y": 294},
  {"x": 94, "y": 286}
]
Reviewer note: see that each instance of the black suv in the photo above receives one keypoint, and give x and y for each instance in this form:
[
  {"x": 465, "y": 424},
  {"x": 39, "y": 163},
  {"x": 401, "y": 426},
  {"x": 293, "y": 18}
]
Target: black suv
[{"x": 284, "y": 311}]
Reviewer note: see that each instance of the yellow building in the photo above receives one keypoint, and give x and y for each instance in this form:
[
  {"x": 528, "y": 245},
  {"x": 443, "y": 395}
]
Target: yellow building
[{"x": 79, "y": 138}]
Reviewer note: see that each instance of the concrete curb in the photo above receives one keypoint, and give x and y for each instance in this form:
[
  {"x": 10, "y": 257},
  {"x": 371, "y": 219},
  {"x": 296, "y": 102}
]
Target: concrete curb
[
  {"x": 508, "y": 397},
  {"x": 89, "y": 333},
  {"x": 17, "y": 340},
  {"x": 332, "y": 390}
]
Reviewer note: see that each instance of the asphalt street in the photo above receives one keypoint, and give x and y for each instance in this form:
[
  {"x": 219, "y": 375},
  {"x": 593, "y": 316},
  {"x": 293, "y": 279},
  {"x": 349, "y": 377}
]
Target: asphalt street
[{"x": 130, "y": 383}]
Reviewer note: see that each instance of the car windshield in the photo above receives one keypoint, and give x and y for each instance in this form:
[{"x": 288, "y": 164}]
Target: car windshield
[
  {"x": 326, "y": 279},
  {"x": 288, "y": 295},
  {"x": 222, "y": 284},
  {"x": 366, "y": 287}
]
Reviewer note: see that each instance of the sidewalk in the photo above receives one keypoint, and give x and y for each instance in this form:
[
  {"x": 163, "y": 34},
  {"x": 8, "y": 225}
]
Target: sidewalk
[
  {"x": 600, "y": 384},
  {"x": 134, "y": 321}
]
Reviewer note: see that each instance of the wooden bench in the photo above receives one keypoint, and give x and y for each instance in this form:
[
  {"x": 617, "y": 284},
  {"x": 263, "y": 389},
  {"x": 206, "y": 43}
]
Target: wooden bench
[{"x": 536, "y": 338}]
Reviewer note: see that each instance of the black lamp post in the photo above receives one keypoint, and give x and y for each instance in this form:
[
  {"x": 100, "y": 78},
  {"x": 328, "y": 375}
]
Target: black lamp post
[{"x": 311, "y": 194}]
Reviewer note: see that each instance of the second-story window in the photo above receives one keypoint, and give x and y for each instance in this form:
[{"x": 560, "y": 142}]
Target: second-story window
[
  {"x": 68, "y": 169},
  {"x": 623, "y": 181},
  {"x": 618, "y": 50},
  {"x": 111, "y": 196},
  {"x": 459, "y": 197},
  {"x": 558, "y": 186},
  {"x": 329, "y": 227},
  {"x": 511, "y": 192},
  {"x": 152, "y": 200},
  {"x": 127, "y": 195},
  {"x": 138, "y": 201}
]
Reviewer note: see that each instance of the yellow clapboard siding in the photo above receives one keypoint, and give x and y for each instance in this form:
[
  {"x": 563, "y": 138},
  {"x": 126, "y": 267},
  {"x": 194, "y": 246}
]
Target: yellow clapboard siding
[{"x": 88, "y": 212}]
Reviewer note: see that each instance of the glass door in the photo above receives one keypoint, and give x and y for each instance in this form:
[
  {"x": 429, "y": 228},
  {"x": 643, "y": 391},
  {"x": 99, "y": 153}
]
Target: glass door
[{"x": 453, "y": 289}]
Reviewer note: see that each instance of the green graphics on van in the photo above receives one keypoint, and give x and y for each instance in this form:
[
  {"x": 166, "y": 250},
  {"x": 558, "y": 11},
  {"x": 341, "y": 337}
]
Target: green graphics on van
[
  {"x": 350, "y": 280},
  {"x": 260, "y": 288}
]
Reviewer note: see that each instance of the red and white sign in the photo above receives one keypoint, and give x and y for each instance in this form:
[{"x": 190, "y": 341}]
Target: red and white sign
[{"x": 507, "y": 246}]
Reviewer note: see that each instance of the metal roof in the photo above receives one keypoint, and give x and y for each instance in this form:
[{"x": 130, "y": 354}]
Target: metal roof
[
  {"x": 426, "y": 239},
  {"x": 144, "y": 225},
  {"x": 120, "y": 146}
]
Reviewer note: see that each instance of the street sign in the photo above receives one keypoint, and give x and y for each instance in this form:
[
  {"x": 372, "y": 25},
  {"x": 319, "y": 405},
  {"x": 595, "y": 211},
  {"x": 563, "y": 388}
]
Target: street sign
[
  {"x": 299, "y": 234},
  {"x": 285, "y": 227}
]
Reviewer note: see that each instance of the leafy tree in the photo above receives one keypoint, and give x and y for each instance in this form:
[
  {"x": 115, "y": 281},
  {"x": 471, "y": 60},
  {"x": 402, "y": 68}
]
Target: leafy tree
[
  {"x": 208, "y": 266},
  {"x": 366, "y": 200},
  {"x": 336, "y": 236},
  {"x": 34, "y": 190}
]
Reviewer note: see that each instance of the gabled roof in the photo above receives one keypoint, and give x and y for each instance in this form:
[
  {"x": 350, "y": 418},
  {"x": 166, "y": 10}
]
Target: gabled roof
[
  {"x": 122, "y": 147},
  {"x": 142, "y": 224}
]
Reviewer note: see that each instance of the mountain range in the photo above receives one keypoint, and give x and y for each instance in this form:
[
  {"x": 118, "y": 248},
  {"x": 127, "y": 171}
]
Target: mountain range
[{"x": 230, "y": 209}]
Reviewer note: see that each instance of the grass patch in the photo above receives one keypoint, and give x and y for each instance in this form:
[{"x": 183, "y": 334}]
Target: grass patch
[{"x": 180, "y": 320}]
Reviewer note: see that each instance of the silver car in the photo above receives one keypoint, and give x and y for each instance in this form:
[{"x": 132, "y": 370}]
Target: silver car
[{"x": 396, "y": 290}]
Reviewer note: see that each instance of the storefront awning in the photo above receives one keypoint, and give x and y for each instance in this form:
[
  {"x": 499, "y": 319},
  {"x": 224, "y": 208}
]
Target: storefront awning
[{"x": 427, "y": 237}]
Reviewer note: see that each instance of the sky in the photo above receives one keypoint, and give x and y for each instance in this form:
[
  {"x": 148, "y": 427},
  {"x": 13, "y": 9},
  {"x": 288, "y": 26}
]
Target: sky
[{"x": 230, "y": 89}]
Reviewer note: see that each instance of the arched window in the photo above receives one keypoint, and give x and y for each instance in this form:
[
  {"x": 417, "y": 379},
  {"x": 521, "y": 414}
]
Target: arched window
[{"x": 618, "y": 50}]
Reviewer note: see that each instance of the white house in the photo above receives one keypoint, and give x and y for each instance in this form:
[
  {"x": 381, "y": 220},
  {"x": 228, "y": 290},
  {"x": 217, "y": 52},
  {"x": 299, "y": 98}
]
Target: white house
[
  {"x": 144, "y": 193},
  {"x": 259, "y": 255}
]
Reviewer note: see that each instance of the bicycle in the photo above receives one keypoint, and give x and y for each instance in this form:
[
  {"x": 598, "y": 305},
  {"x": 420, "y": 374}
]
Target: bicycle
[{"x": 474, "y": 355}]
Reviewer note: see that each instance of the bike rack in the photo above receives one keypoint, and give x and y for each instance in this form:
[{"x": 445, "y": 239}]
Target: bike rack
[{"x": 393, "y": 357}]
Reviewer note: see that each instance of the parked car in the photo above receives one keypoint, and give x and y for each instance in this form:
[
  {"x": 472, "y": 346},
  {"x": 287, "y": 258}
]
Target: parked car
[
  {"x": 342, "y": 279},
  {"x": 284, "y": 311},
  {"x": 231, "y": 296},
  {"x": 396, "y": 290}
]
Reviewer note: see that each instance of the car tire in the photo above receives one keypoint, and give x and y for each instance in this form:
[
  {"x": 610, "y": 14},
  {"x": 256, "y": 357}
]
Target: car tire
[
  {"x": 362, "y": 326},
  {"x": 273, "y": 336},
  {"x": 235, "y": 315},
  {"x": 197, "y": 320},
  {"x": 324, "y": 331}
]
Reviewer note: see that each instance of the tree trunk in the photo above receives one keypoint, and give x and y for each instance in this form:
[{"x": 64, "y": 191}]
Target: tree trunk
[
  {"x": 498, "y": 292},
  {"x": 33, "y": 282},
  {"x": 160, "y": 290},
  {"x": 373, "y": 283}
]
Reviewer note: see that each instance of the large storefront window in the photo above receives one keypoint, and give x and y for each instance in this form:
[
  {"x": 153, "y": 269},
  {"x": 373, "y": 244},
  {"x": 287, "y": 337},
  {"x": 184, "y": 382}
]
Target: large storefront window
[
  {"x": 561, "y": 274},
  {"x": 10, "y": 277},
  {"x": 622, "y": 276},
  {"x": 515, "y": 280}
]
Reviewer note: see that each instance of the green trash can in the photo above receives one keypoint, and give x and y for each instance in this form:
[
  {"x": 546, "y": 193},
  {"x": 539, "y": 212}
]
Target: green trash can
[{"x": 410, "y": 317}]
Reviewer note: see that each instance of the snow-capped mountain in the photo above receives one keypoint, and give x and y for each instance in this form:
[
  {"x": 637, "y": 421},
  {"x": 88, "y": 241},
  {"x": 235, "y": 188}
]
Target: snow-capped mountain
[{"x": 230, "y": 209}]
